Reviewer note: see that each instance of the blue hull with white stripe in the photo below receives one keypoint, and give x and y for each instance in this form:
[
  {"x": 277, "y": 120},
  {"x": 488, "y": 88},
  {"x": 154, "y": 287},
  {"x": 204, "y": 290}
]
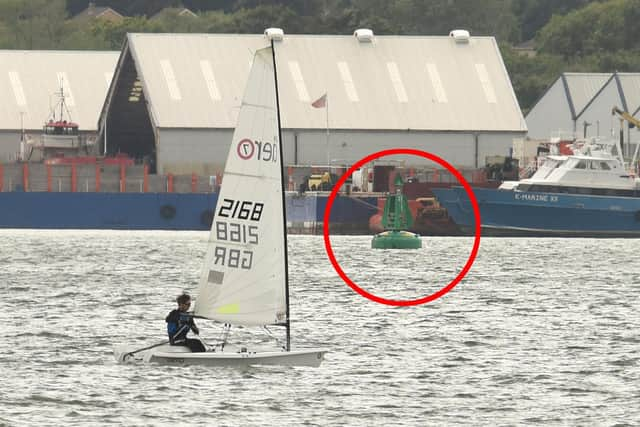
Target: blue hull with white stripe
[{"x": 521, "y": 213}]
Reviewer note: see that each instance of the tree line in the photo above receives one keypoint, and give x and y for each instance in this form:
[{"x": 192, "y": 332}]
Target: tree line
[{"x": 567, "y": 35}]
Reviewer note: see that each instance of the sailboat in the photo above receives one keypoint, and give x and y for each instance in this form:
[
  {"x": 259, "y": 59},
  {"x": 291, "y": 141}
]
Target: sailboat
[{"x": 244, "y": 280}]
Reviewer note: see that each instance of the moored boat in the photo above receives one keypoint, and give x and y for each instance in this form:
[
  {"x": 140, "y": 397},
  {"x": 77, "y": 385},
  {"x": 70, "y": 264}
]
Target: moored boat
[{"x": 588, "y": 193}]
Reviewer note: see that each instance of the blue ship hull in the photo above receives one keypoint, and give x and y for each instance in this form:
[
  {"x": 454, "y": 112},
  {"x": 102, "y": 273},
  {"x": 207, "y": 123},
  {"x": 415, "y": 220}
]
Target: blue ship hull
[
  {"x": 510, "y": 213},
  {"x": 128, "y": 211},
  {"x": 168, "y": 211}
]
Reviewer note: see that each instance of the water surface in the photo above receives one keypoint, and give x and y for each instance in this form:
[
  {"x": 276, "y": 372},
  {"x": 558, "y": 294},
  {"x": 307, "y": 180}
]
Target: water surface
[{"x": 541, "y": 331}]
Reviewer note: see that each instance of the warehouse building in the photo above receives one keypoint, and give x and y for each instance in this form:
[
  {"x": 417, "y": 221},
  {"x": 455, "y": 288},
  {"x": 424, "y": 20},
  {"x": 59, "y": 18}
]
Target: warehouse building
[
  {"x": 175, "y": 98},
  {"x": 581, "y": 104}
]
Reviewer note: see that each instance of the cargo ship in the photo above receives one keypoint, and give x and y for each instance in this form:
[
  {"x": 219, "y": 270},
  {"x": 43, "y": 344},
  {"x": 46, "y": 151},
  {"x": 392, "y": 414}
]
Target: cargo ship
[
  {"x": 61, "y": 182},
  {"x": 115, "y": 193}
]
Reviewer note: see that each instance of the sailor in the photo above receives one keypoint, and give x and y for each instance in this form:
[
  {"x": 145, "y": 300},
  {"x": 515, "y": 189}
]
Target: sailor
[{"x": 179, "y": 322}]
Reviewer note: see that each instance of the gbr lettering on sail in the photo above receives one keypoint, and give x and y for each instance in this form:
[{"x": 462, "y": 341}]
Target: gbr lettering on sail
[{"x": 237, "y": 221}]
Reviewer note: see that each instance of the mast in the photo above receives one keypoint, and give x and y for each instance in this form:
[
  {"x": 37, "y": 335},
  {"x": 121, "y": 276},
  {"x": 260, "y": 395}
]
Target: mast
[
  {"x": 61, "y": 98},
  {"x": 284, "y": 206}
]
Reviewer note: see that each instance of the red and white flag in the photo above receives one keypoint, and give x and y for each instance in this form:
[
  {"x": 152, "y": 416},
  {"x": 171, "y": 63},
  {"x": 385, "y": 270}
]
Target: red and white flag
[{"x": 320, "y": 102}]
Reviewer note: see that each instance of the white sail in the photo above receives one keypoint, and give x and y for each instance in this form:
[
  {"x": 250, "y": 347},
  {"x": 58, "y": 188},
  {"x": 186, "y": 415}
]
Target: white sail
[{"x": 243, "y": 278}]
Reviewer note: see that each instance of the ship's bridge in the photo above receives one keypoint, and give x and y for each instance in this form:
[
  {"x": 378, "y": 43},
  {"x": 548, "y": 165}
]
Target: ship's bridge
[{"x": 60, "y": 134}]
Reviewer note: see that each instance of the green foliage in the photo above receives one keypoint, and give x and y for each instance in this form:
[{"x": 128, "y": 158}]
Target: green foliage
[
  {"x": 264, "y": 16},
  {"x": 534, "y": 14},
  {"x": 218, "y": 22},
  {"x": 597, "y": 28},
  {"x": 531, "y": 76},
  {"x": 31, "y": 24},
  {"x": 112, "y": 34},
  {"x": 437, "y": 17},
  {"x": 170, "y": 20}
]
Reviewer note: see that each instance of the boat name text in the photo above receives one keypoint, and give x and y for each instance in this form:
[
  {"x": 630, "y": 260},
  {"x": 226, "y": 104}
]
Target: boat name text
[{"x": 536, "y": 197}]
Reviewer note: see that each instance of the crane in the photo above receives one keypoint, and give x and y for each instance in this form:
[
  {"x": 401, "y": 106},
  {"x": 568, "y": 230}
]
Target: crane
[
  {"x": 633, "y": 122},
  {"x": 626, "y": 116}
]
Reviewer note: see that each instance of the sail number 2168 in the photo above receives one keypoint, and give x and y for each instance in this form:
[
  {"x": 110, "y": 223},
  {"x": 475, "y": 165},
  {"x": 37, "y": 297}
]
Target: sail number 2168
[{"x": 240, "y": 209}]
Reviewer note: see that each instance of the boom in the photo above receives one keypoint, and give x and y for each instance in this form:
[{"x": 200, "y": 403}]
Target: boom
[
  {"x": 632, "y": 122},
  {"x": 626, "y": 116}
]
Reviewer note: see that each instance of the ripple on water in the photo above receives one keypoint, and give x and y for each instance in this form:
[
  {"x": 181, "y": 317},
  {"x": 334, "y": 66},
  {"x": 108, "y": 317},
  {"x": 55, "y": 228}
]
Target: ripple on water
[{"x": 523, "y": 339}]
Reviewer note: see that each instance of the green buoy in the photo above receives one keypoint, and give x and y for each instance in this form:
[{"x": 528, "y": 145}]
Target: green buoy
[{"x": 395, "y": 218}]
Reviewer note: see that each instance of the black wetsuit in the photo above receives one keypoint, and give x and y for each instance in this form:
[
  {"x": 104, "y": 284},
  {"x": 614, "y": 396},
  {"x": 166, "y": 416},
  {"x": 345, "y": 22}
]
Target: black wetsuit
[{"x": 178, "y": 324}]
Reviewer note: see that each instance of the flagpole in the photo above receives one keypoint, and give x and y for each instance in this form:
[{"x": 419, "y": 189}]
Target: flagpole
[{"x": 327, "y": 141}]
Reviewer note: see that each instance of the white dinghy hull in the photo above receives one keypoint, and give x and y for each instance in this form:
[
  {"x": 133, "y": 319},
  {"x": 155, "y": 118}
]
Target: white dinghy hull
[
  {"x": 179, "y": 355},
  {"x": 306, "y": 357}
]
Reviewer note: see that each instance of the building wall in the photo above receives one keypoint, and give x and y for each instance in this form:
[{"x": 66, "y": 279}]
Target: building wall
[
  {"x": 9, "y": 145},
  {"x": 495, "y": 145},
  {"x": 349, "y": 147},
  {"x": 551, "y": 114},
  {"x": 204, "y": 151},
  {"x": 598, "y": 113},
  {"x": 200, "y": 151}
]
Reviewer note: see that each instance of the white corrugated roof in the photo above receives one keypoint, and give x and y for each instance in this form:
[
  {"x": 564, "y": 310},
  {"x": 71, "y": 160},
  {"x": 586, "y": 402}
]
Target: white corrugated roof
[
  {"x": 395, "y": 82},
  {"x": 630, "y": 83},
  {"x": 29, "y": 80},
  {"x": 583, "y": 87},
  {"x": 590, "y": 95}
]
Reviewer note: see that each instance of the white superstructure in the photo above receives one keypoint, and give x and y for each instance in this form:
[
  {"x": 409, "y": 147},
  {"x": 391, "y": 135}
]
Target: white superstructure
[{"x": 595, "y": 167}]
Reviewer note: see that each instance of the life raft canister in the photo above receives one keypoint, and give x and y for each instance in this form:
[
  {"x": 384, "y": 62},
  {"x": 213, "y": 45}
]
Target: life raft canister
[{"x": 167, "y": 211}]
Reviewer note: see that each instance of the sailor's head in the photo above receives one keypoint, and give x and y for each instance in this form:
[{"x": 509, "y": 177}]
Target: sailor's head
[{"x": 184, "y": 301}]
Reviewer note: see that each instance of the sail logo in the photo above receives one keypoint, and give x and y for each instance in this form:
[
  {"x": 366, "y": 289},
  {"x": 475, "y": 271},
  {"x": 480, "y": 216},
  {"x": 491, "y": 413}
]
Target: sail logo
[
  {"x": 265, "y": 151},
  {"x": 246, "y": 148}
]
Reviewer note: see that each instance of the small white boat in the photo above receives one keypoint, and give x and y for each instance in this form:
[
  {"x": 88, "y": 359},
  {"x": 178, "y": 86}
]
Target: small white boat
[
  {"x": 244, "y": 280},
  {"x": 595, "y": 168},
  {"x": 179, "y": 355}
]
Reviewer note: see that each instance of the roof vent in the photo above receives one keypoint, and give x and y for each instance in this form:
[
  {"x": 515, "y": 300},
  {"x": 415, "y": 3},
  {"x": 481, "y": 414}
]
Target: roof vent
[
  {"x": 364, "y": 35},
  {"x": 275, "y": 34},
  {"x": 460, "y": 36}
]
